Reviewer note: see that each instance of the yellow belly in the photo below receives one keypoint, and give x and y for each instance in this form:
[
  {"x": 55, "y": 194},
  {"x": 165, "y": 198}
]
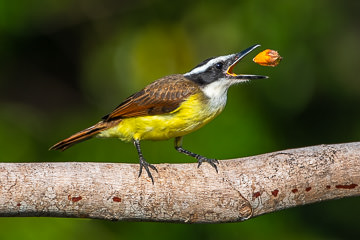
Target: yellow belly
[{"x": 191, "y": 115}]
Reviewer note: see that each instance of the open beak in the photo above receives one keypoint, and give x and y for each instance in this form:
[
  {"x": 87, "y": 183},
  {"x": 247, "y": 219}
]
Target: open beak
[{"x": 237, "y": 58}]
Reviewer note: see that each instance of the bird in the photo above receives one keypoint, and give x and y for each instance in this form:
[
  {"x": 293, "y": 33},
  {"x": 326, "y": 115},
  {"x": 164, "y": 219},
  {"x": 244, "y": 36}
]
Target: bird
[{"x": 170, "y": 107}]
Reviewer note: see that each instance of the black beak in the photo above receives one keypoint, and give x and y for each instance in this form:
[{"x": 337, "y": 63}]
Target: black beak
[{"x": 237, "y": 59}]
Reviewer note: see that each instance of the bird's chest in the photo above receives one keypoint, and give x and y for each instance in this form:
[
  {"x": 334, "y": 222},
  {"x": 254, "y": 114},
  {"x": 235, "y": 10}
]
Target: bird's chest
[
  {"x": 191, "y": 115},
  {"x": 199, "y": 110}
]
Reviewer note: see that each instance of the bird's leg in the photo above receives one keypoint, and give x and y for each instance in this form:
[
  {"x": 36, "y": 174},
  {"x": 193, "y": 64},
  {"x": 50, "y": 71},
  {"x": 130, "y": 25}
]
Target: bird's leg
[
  {"x": 201, "y": 159},
  {"x": 143, "y": 162}
]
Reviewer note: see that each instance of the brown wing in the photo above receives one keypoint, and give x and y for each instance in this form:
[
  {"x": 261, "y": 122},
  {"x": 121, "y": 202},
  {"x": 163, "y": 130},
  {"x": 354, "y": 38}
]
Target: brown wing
[{"x": 161, "y": 96}]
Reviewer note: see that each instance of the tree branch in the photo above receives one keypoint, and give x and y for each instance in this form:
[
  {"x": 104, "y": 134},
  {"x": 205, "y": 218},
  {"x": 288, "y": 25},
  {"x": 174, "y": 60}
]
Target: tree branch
[{"x": 242, "y": 189}]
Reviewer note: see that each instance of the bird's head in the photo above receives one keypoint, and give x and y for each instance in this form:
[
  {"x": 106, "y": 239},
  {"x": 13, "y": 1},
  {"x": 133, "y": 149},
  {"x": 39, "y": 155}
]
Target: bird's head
[{"x": 218, "y": 71}]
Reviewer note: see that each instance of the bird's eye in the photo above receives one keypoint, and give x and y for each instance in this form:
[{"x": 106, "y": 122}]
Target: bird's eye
[{"x": 219, "y": 65}]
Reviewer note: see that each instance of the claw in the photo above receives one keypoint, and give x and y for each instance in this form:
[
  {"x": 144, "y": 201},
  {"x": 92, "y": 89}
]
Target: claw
[
  {"x": 146, "y": 165},
  {"x": 211, "y": 161}
]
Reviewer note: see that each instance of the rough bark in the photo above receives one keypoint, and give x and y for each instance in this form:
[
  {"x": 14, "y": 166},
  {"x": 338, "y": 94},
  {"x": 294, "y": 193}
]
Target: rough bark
[{"x": 243, "y": 188}]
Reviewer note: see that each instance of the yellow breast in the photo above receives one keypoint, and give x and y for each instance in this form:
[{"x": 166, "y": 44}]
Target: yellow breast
[{"x": 191, "y": 115}]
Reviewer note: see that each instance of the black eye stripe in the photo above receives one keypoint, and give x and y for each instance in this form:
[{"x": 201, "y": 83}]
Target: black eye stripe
[{"x": 219, "y": 65}]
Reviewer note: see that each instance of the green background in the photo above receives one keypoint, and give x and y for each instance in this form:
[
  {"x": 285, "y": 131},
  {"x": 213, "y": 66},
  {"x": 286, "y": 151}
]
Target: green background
[{"x": 65, "y": 64}]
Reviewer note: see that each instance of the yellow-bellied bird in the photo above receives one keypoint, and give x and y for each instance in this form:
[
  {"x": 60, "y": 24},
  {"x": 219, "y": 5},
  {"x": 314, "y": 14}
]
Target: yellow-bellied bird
[{"x": 170, "y": 107}]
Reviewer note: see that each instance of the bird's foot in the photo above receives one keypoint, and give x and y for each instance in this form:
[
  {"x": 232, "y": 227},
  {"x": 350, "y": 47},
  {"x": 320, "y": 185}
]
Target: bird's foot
[
  {"x": 146, "y": 165},
  {"x": 211, "y": 161}
]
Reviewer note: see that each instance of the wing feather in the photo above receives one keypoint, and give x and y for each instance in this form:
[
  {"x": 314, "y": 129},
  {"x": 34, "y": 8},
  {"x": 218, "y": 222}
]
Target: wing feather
[{"x": 160, "y": 97}]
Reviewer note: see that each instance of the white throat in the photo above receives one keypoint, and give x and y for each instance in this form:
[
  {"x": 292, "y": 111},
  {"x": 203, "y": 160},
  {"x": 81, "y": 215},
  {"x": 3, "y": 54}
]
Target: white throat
[
  {"x": 217, "y": 92},
  {"x": 218, "y": 88}
]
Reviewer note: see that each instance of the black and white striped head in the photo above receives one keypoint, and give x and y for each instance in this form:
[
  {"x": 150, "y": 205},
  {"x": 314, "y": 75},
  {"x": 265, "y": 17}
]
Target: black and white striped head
[{"x": 221, "y": 68}]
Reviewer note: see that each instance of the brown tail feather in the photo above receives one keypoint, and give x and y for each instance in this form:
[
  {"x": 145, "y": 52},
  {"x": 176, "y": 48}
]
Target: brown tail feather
[{"x": 81, "y": 136}]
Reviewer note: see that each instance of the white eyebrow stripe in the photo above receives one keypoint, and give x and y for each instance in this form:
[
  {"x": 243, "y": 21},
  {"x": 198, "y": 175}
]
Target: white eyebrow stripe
[{"x": 208, "y": 64}]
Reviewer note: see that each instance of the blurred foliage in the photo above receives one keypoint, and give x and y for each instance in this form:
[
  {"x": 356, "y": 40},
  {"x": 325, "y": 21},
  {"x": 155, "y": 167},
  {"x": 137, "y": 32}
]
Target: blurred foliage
[{"x": 65, "y": 64}]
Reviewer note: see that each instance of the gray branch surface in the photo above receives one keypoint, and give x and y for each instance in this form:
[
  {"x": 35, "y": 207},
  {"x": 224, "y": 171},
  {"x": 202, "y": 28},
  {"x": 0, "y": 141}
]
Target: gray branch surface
[{"x": 243, "y": 188}]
